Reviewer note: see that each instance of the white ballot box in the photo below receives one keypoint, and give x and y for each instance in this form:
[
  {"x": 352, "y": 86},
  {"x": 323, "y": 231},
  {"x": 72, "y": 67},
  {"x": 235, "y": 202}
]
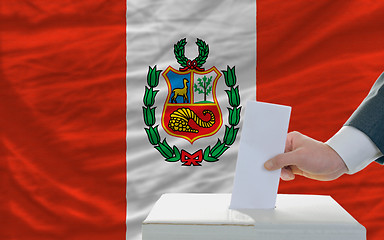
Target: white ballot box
[{"x": 208, "y": 217}]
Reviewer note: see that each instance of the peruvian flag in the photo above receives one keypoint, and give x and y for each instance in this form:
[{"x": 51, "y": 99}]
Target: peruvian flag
[{"x": 65, "y": 152}]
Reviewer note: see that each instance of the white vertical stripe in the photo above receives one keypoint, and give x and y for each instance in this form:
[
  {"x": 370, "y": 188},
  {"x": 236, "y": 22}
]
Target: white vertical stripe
[{"x": 153, "y": 27}]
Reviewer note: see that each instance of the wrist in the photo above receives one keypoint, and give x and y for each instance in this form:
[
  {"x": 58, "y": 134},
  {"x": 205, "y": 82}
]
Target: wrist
[{"x": 340, "y": 167}]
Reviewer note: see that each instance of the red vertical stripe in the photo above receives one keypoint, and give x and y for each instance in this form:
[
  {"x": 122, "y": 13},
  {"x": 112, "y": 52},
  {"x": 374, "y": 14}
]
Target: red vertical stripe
[
  {"x": 321, "y": 58},
  {"x": 62, "y": 119}
]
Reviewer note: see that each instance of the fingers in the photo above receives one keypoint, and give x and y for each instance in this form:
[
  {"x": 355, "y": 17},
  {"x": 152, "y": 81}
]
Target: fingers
[
  {"x": 290, "y": 157},
  {"x": 287, "y": 174},
  {"x": 292, "y": 138},
  {"x": 282, "y": 160}
]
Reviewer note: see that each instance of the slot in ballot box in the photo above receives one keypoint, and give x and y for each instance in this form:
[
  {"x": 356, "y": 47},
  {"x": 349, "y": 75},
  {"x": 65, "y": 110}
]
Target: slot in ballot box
[{"x": 208, "y": 217}]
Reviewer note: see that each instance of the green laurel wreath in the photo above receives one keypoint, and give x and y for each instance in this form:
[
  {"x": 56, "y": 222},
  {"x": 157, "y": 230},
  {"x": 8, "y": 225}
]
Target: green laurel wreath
[
  {"x": 179, "y": 51},
  {"x": 172, "y": 154},
  {"x": 212, "y": 155}
]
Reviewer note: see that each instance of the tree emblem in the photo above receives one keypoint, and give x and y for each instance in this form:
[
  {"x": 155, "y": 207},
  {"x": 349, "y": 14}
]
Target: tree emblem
[{"x": 205, "y": 87}]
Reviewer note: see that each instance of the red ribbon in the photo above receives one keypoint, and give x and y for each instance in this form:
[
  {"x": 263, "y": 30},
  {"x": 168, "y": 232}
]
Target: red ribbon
[
  {"x": 191, "y": 65},
  {"x": 192, "y": 159}
]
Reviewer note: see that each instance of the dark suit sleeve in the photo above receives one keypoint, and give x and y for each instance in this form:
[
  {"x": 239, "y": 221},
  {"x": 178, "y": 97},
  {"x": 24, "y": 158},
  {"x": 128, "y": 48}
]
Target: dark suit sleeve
[{"x": 369, "y": 116}]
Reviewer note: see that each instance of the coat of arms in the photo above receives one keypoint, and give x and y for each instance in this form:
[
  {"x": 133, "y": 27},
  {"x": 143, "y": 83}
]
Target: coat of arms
[{"x": 191, "y": 110}]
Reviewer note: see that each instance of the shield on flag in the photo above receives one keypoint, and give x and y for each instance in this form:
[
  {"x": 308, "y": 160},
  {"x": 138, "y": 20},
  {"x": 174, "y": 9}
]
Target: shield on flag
[{"x": 191, "y": 110}]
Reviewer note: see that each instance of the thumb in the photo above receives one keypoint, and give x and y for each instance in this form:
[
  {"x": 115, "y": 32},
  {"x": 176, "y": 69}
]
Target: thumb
[{"x": 281, "y": 160}]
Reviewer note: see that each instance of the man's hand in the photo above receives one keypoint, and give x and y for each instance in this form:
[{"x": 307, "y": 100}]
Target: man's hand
[{"x": 307, "y": 157}]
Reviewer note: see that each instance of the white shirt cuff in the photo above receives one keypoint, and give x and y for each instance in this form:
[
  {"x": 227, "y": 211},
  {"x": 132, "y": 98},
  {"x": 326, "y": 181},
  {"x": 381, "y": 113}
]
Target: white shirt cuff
[{"x": 355, "y": 148}]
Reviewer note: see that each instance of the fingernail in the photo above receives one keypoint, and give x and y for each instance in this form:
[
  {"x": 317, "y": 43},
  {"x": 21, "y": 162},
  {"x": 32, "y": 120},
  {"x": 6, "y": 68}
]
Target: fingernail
[
  {"x": 285, "y": 176},
  {"x": 268, "y": 165}
]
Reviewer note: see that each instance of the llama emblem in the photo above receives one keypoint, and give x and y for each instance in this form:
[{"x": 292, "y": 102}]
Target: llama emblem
[{"x": 191, "y": 110}]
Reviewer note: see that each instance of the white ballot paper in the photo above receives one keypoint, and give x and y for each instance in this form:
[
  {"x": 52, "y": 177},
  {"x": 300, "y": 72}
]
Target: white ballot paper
[{"x": 263, "y": 136}]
